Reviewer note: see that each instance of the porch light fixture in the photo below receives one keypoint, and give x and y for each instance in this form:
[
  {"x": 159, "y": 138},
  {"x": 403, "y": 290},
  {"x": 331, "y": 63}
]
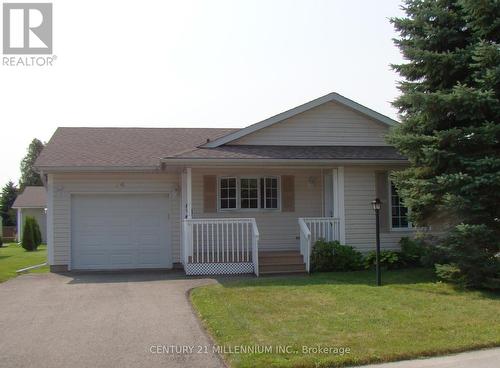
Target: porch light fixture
[{"x": 376, "y": 204}]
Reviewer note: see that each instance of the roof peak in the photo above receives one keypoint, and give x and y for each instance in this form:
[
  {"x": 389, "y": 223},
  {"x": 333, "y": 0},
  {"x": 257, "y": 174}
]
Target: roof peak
[{"x": 331, "y": 97}]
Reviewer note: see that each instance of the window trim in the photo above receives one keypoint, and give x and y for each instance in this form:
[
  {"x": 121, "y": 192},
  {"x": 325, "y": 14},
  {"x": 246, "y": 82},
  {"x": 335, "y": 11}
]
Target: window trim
[
  {"x": 409, "y": 227},
  {"x": 238, "y": 193},
  {"x": 278, "y": 192},
  {"x": 219, "y": 198}
]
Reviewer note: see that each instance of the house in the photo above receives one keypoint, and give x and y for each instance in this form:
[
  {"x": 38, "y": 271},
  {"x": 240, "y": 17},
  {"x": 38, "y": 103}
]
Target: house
[
  {"x": 212, "y": 201},
  {"x": 32, "y": 202}
]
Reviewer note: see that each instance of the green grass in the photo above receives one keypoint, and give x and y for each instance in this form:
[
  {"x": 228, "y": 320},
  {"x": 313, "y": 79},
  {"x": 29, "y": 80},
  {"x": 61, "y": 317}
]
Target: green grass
[
  {"x": 13, "y": 257},
  {"x": 411, "y": 315}
]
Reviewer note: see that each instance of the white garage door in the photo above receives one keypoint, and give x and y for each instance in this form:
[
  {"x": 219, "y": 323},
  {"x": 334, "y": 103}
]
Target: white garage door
[{"x": 116, "y": 231}]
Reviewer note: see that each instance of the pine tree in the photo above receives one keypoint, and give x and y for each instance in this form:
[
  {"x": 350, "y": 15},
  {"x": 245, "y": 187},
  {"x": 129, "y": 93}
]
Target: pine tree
[
  {"x": 29, "y": 177},
  {"x": 9, "y": 194},
  {"x": 450, "y": 131}
]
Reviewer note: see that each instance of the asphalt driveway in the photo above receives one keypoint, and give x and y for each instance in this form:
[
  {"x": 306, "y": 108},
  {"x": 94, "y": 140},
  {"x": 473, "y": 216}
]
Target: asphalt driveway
[{"x": 102, "y": 320}]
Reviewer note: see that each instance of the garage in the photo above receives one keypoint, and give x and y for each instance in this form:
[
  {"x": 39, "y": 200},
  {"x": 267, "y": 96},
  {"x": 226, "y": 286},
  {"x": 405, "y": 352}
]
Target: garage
[{"x": 120, "y": 231}]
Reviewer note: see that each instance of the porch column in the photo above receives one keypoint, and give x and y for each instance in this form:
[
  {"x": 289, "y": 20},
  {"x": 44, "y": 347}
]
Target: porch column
[
  {"x": 338, "y": 199},
  {"x": 186, "y": 209}
]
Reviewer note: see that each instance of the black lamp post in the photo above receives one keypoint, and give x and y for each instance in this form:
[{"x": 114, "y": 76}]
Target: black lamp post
[{"x": 376, "y": 206}]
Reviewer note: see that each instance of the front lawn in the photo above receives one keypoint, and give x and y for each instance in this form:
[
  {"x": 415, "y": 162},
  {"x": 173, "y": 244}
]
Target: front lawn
[
  {"x": 411, "y": 315},
  {"x": 13, "y": 257}
]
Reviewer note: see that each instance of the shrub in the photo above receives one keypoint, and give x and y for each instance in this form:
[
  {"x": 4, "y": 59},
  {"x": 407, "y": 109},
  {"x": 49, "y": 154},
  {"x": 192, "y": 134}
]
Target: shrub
[
  {"x": 322, "y": 256},
  {"x": 412, "y": 251},
  {"x": 37, "y": 234},
  {"x": 1, "y": 241},
  {"x": 449, "y": 272},
  {"x": 389, "y": 259},
  {"x": 30, "y": 236},
  {"x": 333, "y": 256}
]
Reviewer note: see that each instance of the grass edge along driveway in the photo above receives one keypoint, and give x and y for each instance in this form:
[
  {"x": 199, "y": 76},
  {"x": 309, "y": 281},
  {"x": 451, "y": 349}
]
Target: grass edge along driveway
[
  {"x": 13, "y": 257},
  {"x": 411, "y": 315}
]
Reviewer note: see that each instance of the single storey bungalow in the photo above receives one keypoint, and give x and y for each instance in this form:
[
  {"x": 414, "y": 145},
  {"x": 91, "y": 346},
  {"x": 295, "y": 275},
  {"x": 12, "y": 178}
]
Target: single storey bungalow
[{"x": 222, "y": 201}]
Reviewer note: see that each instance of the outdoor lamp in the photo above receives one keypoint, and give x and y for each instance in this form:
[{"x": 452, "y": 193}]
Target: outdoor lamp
[{"x": 376, "y": 207}]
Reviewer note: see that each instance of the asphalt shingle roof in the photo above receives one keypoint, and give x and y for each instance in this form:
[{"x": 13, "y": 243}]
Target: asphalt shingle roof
[
  {"x": 31, "y": 197},
  {"x": 145, "y": 147},
  {"x": 294, "y": 152},
  {"x": 123, "y": 147}
]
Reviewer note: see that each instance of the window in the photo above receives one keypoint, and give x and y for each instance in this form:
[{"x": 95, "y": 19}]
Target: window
[
  {"x": 399, "y": 213},
  {"x": 227, "y": 193},
  {"x": 269, "y": 193},
  {"x": 249, "y": 193}
]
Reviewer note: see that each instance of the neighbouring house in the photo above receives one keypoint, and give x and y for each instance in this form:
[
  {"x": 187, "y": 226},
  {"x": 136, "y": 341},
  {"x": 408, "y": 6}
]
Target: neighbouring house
[
  {"x": 221, "y": 201},
  {"x": 32, "y": 202}
]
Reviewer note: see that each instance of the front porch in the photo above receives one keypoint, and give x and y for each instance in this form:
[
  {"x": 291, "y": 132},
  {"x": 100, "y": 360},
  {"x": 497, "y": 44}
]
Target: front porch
[
  {"x": 292, "y": 208},
  {"x": 231, "y": 246}
]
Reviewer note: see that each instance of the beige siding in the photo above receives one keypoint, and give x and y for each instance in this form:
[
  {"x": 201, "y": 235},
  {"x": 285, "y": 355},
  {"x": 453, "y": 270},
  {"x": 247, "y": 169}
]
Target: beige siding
[
  {"x": 278, "y": 230},
  {"x": 325, "y": 125},
  {"x": 66, "y": 184},
  {"x": 40, "y": 217},
  {"x": 359, "y": 215}
]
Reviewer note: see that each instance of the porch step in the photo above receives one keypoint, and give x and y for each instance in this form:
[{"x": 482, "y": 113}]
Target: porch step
[
  {"x": 281, "y": 262},
  {"x": 276, "y": 267}
]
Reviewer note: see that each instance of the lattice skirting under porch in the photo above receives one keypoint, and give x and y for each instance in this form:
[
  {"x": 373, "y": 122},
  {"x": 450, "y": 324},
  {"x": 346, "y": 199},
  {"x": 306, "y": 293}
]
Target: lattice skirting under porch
[{"x": 218, "y": 268}]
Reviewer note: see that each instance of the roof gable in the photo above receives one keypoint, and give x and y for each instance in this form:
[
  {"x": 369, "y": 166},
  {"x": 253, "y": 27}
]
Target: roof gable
[
  {"x": 31, "y": 197},
  {"x": 332, "y": 97}
]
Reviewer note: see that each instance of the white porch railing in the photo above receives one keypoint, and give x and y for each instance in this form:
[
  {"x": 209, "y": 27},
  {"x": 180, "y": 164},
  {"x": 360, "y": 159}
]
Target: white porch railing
[
  {"x": 225, "y": 245},
  {"x": 313, "y": 229}
]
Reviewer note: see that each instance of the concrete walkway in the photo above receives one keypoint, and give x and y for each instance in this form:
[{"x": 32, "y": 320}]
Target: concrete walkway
[
  {"x": 488, "y": 358},
  {"x": 102, "y": 320}
]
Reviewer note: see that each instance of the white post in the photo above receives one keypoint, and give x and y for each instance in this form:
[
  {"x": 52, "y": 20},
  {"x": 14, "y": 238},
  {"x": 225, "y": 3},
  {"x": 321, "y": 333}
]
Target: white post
[
  {"x": 338, "y": 200},
  {"x": 186, "y": 212},
  {"x": 19, "y": 225},
  {"x": 189, "y": 193}
]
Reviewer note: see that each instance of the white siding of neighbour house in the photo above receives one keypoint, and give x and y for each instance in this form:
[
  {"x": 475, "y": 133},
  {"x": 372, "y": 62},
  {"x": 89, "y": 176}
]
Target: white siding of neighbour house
[
  {"x": 330, "y": 124},
  {"x": 40, "y": 217},
  {"x": 63, "y": 185},
  {"x": 359, "y": 215},
  {"x": 278, "y": 230}
]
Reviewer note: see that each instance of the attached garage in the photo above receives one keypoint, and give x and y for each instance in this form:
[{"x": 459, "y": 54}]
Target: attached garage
[{"x": 120, "y": 231}]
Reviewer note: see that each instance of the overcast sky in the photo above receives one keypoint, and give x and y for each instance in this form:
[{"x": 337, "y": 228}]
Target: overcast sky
[{"x": 206, "y": 63}]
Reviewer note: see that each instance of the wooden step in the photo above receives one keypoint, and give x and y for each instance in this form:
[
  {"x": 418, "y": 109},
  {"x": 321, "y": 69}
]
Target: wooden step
[
  {"x": 281, "y": 260},
  {"x": 299, "y": 267},
  {"x": 278, "y": 253},
  {"x": 276, "y": 273}
]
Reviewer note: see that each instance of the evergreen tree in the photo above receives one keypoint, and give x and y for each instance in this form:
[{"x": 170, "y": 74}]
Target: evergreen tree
[
  {"x": 28, "y": 241},
  {"x": 450, "y": 129},
  {"x": 29, "y": 177},
  {"x": 9, "y": 194}
]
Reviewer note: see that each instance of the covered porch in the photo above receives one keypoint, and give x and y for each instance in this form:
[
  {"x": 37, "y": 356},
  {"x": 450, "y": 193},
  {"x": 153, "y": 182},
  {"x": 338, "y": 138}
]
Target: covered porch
[{"x": 258, "y": 220}]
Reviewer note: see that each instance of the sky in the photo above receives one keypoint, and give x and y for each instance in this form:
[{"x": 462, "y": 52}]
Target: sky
[{"x": 186, "y": 63}]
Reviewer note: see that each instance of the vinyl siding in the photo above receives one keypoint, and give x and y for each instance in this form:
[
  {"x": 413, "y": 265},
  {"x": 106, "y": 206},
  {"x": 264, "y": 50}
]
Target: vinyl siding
[
  {"x": 359, "y": 191},
  {"x": 40, "y": 217},
  {"x": 66, "y": 184},
  {"x": 325, "y": 125},
  {"x": 278, "y": 230}
]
